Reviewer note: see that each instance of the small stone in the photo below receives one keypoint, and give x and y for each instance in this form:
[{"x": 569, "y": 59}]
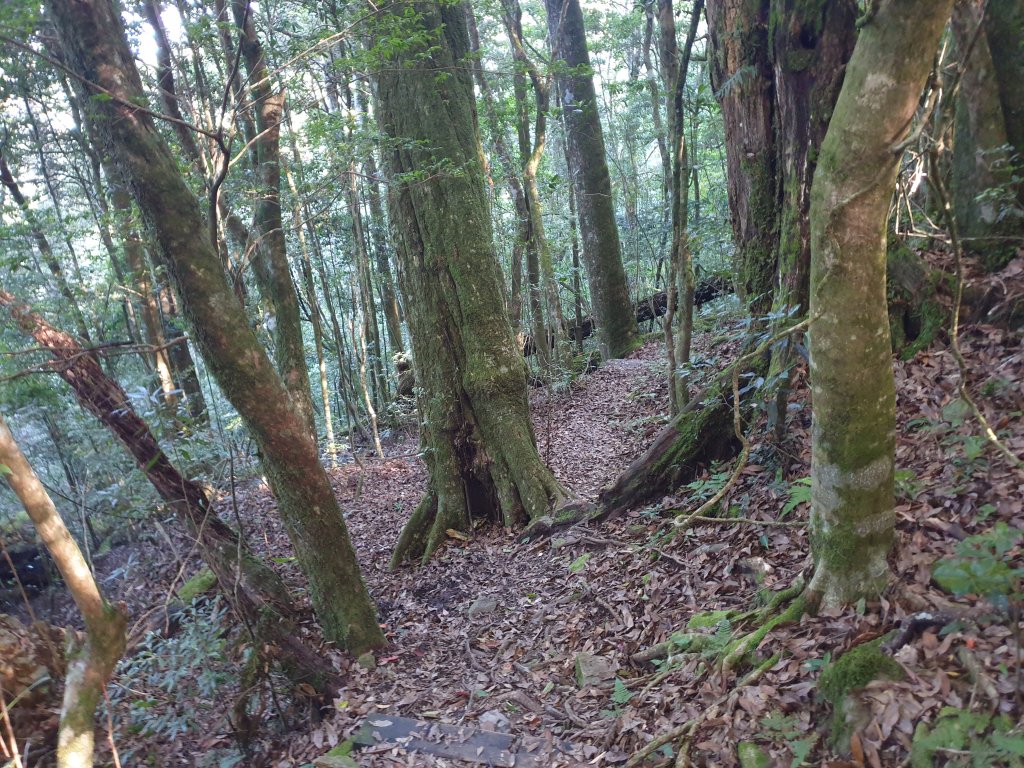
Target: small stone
[
  {"x": 367, "y": 661},
  {"x": 594, "y": 670},
  {"x": 493, "y": 720},
  {"x": 482, "y": 606}
]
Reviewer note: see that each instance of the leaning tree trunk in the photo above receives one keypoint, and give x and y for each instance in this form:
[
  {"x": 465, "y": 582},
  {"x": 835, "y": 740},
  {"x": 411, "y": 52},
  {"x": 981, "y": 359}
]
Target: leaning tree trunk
[
  {"x": 95, "y": 46},
  {"x": 91, "y": 666},
  {"x": 595, "y": 204},
  {"x": 853, "y": 433},
  {"x": 256, "y": 592},
  {"x": 480, "y": 448}
]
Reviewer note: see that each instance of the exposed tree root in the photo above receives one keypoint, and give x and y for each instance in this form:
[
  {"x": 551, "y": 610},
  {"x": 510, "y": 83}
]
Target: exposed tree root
[{"x": 739, "y": 648}]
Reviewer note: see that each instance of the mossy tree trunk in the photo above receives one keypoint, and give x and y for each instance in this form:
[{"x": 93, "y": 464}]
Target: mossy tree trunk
[
  {"x": 471, "y": 379},
  {"x": 810, "y": 45},
  {"x": 96, "y": 48},
  {"x": 854, "y": 423},
  {"x": 741, "y": 75},
  {"x": 90, "y": 666},
  {"x": 595, "y": 205},
  {"x": 267, "y": 240}
]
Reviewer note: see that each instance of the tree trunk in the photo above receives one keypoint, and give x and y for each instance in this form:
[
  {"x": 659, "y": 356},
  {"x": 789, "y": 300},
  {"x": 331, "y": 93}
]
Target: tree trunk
[
  {"x": 142, "y": 282},
  {"x": 1004, "y": 29},
  {"x": 379, "y": 238},
  {"x": 471, "y": 379},
  {"x": 90, "y": 667},
  {"x": 254, "y": 590},
  {"x": 983, "y": 184},
  {"x": 268, "y": 227},
  {"x": 675, "y": 66},
  {"x": 93, "y": 38},
  {"x": 811, "y": 44},
  {"x": 309, "y": 287},
  {"x": 602, "y": 255},
  {"x": 853, "y": 432},
  {"x": 741, "y": 75}
]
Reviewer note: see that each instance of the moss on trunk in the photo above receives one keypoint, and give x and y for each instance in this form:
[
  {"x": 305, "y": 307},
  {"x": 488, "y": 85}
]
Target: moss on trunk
[
  {"x": 478, "y": 442},
  {"x": 700, "y": 434},
  {"x": 854, "y": 427}
]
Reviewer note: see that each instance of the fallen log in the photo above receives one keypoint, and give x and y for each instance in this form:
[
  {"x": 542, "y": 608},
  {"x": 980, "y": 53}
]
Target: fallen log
[
  {"x": 648, "y": 308},
  {"x": 701, "y": 434}
]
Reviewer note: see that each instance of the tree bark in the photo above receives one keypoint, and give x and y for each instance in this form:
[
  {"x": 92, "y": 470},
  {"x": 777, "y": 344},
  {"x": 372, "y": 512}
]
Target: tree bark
[
  {"x": 676, "y": 65},
  {"x": 741, "y": 75},
  {"x": 94, "y": 42},
  {"x": 984, "y": 185},
  {"x": 382, "y": 260},
  {"x": 471, "y": 379},
  {"x": 602, "y": 255},
  {"x": 90, "y": 667},
  {"x": 853, "y": 431}
]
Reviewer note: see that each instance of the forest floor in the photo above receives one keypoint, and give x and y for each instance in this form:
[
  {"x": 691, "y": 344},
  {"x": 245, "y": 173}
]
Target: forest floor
[{"x": 488, "y": 633}]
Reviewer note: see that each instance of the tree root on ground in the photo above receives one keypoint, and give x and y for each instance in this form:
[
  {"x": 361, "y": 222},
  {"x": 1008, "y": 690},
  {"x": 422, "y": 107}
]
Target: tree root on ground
[{"x": 737, "y": 651}]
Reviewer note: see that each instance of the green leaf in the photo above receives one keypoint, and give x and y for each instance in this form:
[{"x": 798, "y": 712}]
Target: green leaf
[
  {"x": 579, "y": 563},
  {"x": 621, "y": 695},
  {"x": 801, "y": 750}
]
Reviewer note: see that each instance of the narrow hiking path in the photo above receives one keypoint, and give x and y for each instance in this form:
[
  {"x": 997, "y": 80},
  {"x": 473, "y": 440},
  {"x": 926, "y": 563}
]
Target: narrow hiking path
[{"x": 488, "y": 633}]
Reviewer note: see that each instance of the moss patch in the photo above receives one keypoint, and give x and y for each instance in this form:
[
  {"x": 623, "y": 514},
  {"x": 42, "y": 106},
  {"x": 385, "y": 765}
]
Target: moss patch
[
  {"x": 854, "y": 669},
  {"x": 751, "y": 755},
  {"x": 202, "y": 582},
  {"x": 707, "y": 619}
]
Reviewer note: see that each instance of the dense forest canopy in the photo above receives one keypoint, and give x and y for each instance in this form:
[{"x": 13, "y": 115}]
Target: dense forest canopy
[{"x": 601, "y": 382}]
